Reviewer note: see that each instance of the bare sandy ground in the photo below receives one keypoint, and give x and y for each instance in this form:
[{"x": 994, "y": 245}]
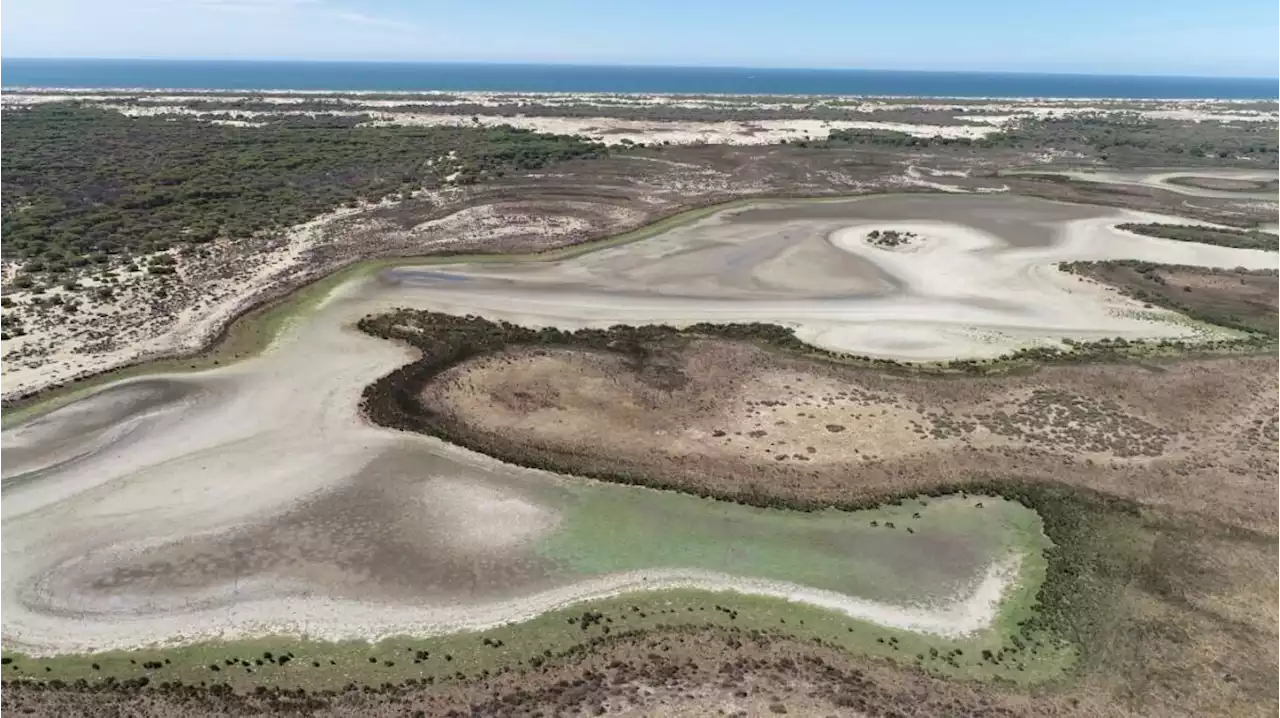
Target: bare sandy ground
[
  {"x": 257, "y": 439},
  {"x": 133, "y": 320},
  {"x": 978, "y": 109},
  {"x": 611, "y": 131},
  {"x": 969, "y": 119}
]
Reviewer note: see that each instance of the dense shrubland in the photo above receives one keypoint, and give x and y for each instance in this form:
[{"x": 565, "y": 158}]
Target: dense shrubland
[
  {"x": 1128, "y": 138},
  {"x": 81, "y": 185},
  {"x": 1221, "y": 236},
  {"x": 1121, "y": 139}
]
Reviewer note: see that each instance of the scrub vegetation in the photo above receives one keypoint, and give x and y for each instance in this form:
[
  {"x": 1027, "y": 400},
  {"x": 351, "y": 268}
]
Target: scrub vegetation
[
  {"x": 1125, "y": 139},
  {"x": 82, "y": 185},
  {"x": 890, "y": 238},
  {"x": 1116, "y": 138},
  {"x": 1241, "y": 299},
  {"x": 1221, "y": 236}
]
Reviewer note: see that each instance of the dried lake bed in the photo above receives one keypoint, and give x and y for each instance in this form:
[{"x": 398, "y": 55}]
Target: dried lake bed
[{"x": 253, "y": 499}]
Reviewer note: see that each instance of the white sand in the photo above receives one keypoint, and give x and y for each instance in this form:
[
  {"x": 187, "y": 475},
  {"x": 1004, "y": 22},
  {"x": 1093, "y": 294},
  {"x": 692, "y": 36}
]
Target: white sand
[
  {"x": 971, "y": 610},
  {"x": 975, "y": 120},
  {"x": 608, "y": 130},
  {"x": 133, "y": 317}
]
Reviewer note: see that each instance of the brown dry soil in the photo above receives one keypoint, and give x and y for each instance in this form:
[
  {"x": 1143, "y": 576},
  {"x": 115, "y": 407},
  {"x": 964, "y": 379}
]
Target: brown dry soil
[{"x": 737, "y": 420}]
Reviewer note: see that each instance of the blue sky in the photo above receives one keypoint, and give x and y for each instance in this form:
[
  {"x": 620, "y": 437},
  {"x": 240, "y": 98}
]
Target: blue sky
[{"x": 1188, "y": 37}]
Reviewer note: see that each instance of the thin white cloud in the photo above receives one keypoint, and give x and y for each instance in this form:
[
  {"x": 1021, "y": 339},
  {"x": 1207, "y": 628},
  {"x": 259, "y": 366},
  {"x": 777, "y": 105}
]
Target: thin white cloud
[
  {"x": 371, "y": 20},
  {"x": 314, "y": 7},
  {"x": 254, "y": 3},
  {"x": 245, "y": 5}
]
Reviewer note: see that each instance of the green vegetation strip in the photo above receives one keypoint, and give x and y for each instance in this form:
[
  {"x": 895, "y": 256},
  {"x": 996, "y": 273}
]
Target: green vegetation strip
[
  {"x": 1221, "y": 236},
  {"x": 1229, "y": 185},
  {"x": 292, "y": 662}
]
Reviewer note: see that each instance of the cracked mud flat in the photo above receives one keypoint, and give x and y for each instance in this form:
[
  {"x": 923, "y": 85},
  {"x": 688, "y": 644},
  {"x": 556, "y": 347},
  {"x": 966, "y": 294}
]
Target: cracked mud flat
[{"x": 253, "y": 499}]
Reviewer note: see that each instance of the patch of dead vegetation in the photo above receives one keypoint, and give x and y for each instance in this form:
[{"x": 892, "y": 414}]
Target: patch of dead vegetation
[{"x": 1062, "y": 421}]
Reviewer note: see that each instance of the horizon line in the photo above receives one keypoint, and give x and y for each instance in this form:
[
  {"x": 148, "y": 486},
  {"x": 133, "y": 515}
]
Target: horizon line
[{"x": 629, "y": 65}]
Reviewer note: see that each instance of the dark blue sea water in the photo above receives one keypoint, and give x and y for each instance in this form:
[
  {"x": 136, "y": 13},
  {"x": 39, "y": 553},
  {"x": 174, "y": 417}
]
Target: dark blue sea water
[{"x": 393, "y": 76}]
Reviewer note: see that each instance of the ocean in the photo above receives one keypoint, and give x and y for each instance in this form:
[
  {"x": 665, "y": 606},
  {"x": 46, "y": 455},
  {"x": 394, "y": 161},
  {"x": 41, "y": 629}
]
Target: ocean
[{"x": 403, "y": 76}]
